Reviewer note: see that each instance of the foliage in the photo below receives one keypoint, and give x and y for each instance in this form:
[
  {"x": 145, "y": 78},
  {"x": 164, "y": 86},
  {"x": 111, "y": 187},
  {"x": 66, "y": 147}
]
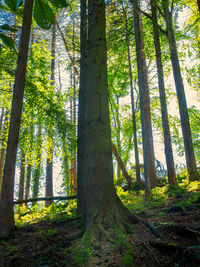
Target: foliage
[{"x": 55, "y": 212}]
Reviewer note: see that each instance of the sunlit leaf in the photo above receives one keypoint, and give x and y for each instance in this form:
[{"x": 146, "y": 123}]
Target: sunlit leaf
[{"x": 43, "y": 14}]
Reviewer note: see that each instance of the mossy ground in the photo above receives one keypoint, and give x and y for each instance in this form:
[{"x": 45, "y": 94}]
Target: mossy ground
[{"x": 45, "y": 237}]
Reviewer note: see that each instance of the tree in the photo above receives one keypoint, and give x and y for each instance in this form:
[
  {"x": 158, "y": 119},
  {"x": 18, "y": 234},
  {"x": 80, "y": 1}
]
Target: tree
[
  {"x": 6, "y": 202},
  {"x": 101, "y": 207},
  {"x": 49, "y": 166},
  {"x": 137, "y": 162},
  {"x": 165, "y": 123},
  {"x": 185, "y": 123},
  {"x": 148, "y": 150}
]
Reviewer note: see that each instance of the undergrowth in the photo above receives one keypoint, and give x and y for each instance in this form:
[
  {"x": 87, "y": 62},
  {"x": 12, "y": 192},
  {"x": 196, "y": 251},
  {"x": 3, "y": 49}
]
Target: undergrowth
[{"x": 186, "y": 193}]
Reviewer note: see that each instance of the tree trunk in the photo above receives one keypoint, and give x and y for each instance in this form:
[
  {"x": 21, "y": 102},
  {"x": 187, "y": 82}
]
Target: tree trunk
[
  {"x": 137, "y": 163},
  {"x": 118, "y": 126},
  {"x": 6, "y": 203},
  {"x": 148, "y": 150},
  {"x": 1, "y": 120},
  {"x": 29, "y": 162},
  {"x": 122, "y": 167},
  {"x": 36, "y": 174},
  {"x": 185, "y": 124},
  {"x": 3, "y": 148},
  {"x": 102, "y": 208},
  {"x": 22, "y": 176},
  {"x": 165, "y": 123},
  {"x": 49, "y": 166},
  {"x": 81, "y": 140}
]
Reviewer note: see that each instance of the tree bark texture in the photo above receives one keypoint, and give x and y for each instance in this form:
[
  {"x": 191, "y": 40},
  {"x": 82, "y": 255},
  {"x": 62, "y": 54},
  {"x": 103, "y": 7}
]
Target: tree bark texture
[
  {"x": 81, "y": 159},
  {"x": 185, "y": 124},
  {"x": 6, "y": 203},
  {"x": 148, "y": 150},
  {"x": 102, "y": 209},
  {"x": 166, "y": 130}
]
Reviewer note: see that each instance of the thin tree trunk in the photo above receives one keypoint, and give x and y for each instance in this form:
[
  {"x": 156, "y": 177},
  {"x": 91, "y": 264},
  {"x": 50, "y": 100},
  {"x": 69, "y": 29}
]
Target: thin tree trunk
[
  {"x": 1, "y": 121},
  {"x": 137, "y": 163},
  {"x": 49, "y": 166},
  {"x": 67, "y": 49},
  {"x": 37, "y": 171},
  {"x": 3, "y": 148},
  {"x": 6, "y": 203},
  {"x": 29, "y": 162},
  {"x": 165, "y": 123},
  {"x": 148, "y": 150},
  {"x": 22, "y": 176},
  {"x": 185, "y": 124},
  {"x": 118, "y": 126},
  {"x": 122, "y": 167}
]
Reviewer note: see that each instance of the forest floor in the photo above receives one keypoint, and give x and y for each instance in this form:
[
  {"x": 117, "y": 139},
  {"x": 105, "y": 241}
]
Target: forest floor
[{"x": 49, "y": 242}]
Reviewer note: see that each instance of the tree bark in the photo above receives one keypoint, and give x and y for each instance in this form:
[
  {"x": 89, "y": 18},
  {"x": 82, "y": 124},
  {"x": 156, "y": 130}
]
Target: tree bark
[
  {"x": 1, "y": 121},
  {"x": 37, "y": 171},
  {"x": 102, "y": 208},
  {"x": 22, "y": 176},
  {"x": 122, "y": 167},
  {"x": 164, "y": 112},
  {"x": 185, "y": 124},
  {"x": 49, "y": 164},
  {"x": 29, "y": 162},
  {"x": 148, "y": 150},
  {"x": 6, "y": 203},
  {"x": 137, "y": 162},
  {"x": 3, "y": 148},
  {"x": 81, "y": 140}
]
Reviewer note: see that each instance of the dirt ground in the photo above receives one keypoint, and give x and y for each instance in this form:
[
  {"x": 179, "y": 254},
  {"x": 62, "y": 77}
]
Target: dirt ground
[{"x": 48, "y": 243}]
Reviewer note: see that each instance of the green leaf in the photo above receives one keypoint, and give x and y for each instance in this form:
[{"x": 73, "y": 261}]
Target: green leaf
[
  {"x": 7, "y": 28},
  {"x": 59, "y": 3},
  {"x": 43, "y": 14},
  {"x": 12, "y": 4},
  {"x": 8, "y": 41}
]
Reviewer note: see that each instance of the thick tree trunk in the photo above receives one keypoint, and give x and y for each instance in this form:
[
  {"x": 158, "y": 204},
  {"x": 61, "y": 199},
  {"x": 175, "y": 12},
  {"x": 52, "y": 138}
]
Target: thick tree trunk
[
  {"x": 6, "y": 203},
  {"x": 185, "y": 124},
  {"x": 137, "y": 163},
  {"x": 165, "y": 123},
  {"x": 122, "y": 167},
  {"x": 102, "y": 208},
  {"x": 148, "y": 150},
  {"x": 22, "y": 176},
  {"x": 81, "y": 140}
]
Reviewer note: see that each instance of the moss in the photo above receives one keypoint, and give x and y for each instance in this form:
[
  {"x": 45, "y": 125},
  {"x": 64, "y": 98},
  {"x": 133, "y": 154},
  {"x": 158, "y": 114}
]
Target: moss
[{"x": 128, "y": 257}]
